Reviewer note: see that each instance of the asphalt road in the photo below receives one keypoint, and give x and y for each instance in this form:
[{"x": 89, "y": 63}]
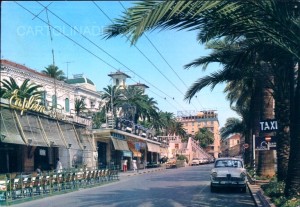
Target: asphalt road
[{"x": 179, "y": 187}]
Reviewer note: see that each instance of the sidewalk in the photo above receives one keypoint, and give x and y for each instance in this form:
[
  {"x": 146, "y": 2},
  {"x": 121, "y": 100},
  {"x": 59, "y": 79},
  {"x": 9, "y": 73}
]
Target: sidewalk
[
  {"x": 258, "y": 196},
  {"x": 140, "y": 171}
]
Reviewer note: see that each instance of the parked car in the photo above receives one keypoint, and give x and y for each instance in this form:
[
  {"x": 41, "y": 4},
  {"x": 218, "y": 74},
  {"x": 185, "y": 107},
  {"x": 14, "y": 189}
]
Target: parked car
[
  {"x": 195, "y": 161},
  {"x": 202, "y": 160},
  {"x": 171, "y": 163},
  {"x": 228, "y": 172}
]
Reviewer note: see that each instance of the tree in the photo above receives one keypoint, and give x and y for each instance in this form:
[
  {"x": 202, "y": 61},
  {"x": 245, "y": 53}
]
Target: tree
[
  {"x": 80, "y": 106},
  {"x": 232, "y": 20},
  {"x": 112, "y": 95},
  {"x": 54, "y": 72},
  {"x": 25, "y": 90},
  {"x": 205, "y": 137}
]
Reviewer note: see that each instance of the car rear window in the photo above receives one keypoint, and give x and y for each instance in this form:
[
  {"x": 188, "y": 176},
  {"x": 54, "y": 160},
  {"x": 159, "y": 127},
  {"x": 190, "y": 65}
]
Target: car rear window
[{"x": 229, "y": 163}]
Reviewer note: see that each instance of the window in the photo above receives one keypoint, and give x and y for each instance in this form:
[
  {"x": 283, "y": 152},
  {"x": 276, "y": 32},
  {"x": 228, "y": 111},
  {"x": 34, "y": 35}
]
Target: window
[
  {"x": 117, "y": 82},
  {"x": 44, "y": 100},
  {"x": 67, "y": 105},
  {"x": 54, "y": 101},
  {"x": 237, "y": 141}
]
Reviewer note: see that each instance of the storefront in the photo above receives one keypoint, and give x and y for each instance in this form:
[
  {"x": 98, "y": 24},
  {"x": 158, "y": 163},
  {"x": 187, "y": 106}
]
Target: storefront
[{"x": 30, "y": 138}]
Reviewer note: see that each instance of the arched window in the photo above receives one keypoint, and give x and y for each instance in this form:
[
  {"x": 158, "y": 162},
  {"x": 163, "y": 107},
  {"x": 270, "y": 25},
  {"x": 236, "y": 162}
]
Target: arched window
[
  {"x": 54, "y": 101},
  {"x": 67, "y": 105},
  {"x": 44, "y": 100}
]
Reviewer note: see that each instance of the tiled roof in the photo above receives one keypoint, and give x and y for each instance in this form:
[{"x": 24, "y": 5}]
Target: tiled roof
[{"x": 19, "y": 66}]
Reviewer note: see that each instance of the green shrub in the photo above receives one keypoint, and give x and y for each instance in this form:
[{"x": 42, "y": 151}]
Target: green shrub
[{"x": 275, "y": 190}]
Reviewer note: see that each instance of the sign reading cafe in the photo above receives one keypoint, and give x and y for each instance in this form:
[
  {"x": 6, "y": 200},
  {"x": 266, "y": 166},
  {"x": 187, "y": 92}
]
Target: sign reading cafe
[
  {"x": 26, "y": 104},
  {"x": 33, "y": 104}
]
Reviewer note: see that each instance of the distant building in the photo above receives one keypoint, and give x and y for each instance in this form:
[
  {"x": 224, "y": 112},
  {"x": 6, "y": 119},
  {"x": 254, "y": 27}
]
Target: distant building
[
  {"x": 193, "y": 121},
  {"x": 231, "y": 146}
]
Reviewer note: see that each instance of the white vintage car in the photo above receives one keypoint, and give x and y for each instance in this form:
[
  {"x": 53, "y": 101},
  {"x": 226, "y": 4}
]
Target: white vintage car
[{"x": 228, "y": 172}]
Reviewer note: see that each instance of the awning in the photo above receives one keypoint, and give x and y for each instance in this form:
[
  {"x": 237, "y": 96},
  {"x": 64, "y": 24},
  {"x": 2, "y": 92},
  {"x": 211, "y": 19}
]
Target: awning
[
  {"x": 86, "y": 139},
  {"x": 52, "y": 132},
  {"x": 153, "y": 147},
  {"x": 69, "y": 135},
  {"x": 135, "y": 152},
  {"x": 120, "y": 144},
  {"x": 32, "y": 130},
  {"x": 9, "y": 129}
]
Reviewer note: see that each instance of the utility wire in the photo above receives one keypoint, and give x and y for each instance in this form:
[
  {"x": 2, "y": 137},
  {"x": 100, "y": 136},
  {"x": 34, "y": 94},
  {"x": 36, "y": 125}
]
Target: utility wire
[
  {"x": 144, "y": 55},
  {"x": 93, "y": 54},
  {"x": 104, "y": 52},
  {"x": 159, "y": 55},
  {"x": 146, "y": 58}
]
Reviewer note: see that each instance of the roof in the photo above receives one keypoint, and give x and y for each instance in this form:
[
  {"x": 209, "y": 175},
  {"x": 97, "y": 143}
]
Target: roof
[
  {"x": 118, "y": 73},
  {"x": 19, "y": 66},
  {"x": 79, "y": 80},
  {"x": 141, "y": 84}
]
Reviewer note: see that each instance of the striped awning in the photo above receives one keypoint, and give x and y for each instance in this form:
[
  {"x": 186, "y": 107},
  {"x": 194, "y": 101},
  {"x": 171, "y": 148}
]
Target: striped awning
[
  {"x": 9, "y": 128},
  {"x": 132, "y": 148}
]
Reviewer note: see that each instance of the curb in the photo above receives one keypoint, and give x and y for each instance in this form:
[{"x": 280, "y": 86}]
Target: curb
[{"x": 258, "y": 196}]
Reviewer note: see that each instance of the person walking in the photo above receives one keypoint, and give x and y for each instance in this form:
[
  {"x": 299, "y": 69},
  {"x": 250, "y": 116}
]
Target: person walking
[
  {"x": 58, "y": 166},
  {"x": 124, "y": 165},
  {"x": 134, "y": 165}
]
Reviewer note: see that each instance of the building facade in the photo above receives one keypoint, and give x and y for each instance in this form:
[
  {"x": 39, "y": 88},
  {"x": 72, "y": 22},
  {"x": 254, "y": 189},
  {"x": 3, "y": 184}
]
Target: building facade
[
  {"x": 37, "y": 133},
  {"x": 193, "y": 121}
]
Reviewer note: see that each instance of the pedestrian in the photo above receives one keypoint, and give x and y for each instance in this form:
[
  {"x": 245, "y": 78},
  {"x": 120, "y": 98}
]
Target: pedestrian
[
  {"x": 134, "y": 165},
  {"x": 39, "y": 170},
  {"x": 58, "y": 166},
  {"x": 124, "y": 165}
]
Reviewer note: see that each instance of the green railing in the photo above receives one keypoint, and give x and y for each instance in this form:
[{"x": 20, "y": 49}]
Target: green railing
[{"x": 20, "y": 187}]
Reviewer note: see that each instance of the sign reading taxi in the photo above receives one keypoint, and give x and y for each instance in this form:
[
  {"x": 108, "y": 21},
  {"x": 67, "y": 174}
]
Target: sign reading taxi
[{"x": 268, "y": 125}]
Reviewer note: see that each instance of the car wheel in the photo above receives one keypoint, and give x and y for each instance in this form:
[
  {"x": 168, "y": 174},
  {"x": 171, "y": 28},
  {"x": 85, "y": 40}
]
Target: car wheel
[{"x": 243, "y": 189}]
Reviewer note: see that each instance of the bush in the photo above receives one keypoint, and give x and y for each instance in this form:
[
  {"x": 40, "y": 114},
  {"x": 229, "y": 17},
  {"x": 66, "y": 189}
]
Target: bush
[
  {"x": 275, "y": 190},
  {"x": 182, "y": 157}
]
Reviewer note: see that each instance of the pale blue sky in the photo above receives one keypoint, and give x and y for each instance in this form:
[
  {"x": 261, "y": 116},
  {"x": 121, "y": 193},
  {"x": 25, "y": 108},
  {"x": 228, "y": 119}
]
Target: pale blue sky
[{"x": 26, "y": 40}]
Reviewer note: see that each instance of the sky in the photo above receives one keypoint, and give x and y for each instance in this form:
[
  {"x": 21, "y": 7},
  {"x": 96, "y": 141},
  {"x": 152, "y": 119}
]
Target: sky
[{"x": 76, "y": 36}]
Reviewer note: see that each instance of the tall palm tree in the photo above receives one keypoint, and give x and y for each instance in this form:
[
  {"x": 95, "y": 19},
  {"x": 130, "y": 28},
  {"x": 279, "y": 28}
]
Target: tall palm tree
[
  {"x": 54, "y": 72},
  {"x": 25, "y": 90},
  {"x": 229, "y": 19},
  {"x": 112, "y": 95}
]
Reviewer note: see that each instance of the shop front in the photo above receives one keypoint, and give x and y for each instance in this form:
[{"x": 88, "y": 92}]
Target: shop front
[{"x": 30, "y": 139}]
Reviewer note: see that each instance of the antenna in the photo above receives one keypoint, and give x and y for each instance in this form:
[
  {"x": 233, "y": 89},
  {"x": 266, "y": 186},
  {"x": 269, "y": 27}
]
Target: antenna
[{"x": 68, "y": 62}]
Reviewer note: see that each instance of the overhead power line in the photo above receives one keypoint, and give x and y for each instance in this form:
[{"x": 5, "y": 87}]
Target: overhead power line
[
  {"x": 160, "y": 54},
  {"x": 93, "y": 54}
]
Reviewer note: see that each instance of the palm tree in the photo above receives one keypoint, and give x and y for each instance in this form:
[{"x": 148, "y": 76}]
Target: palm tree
[
  {"x": 232, "y": 20},
  {"x": 25, "y": 90},
  {"x": 80, "y": 106},
  {"x": 112, "y": 95},
  {"x": 54, "y": 72}
]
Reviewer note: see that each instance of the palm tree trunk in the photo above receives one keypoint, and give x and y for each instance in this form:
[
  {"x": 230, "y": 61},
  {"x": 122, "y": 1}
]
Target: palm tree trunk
[
  {"x": 282, "y": 113},
  {"x": 292, "y": 187},
  {"x": 266, "y": 162}
]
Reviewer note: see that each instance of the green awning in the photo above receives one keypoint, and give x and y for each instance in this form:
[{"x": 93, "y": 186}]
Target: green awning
[{"x": 120, "y": 144}]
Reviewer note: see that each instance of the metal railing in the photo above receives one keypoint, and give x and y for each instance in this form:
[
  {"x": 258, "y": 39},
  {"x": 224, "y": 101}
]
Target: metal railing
[{"x": 20, "y": 187}]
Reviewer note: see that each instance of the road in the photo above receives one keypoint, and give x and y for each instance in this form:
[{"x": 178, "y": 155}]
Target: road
[{"x": 179, "y": 187}]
